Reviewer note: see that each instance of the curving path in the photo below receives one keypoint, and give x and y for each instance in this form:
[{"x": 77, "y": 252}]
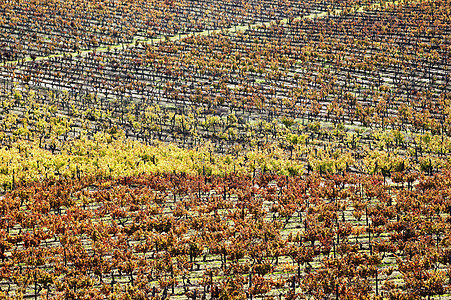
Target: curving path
[{"x": 207, "y": 32}]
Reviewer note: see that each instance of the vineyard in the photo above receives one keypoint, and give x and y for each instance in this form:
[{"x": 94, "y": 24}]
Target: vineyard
[{"x": 225, "y": 149}]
